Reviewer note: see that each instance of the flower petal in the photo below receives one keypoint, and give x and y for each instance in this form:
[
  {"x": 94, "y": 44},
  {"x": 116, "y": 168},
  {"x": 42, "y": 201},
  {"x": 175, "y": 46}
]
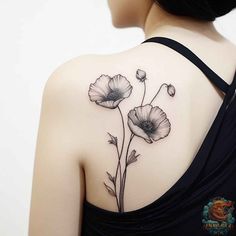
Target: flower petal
[
  {"x": 108, "y": 104},
  {"x": 99, "y": 89},
  {"x": 133, "y": 117},
  {"x": 162, "y": 130},
  {"x": 127, "y": 92},
  {"x": 143, "y": 112},
  {"x": 138, "y": 131},
  {"x": 157, "y": 115},
  {"x": 116, "y": 103},
  {"x": 122, "y": 84}
]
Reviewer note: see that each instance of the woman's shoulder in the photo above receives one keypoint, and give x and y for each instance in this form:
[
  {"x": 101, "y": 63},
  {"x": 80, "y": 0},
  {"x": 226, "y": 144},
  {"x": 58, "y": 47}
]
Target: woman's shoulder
[
  {"x": 85, "y": 63},
  {"x": 75, "y": 72},
  {"x": 89, "y": 63},
  {"x": 80, "y": 68}
]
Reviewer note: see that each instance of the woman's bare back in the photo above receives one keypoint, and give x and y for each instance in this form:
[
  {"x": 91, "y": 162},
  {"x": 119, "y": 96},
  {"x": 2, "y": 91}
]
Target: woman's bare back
[
  {"x": 183, "y": 103},
  {"x": 81, "y": 123}
]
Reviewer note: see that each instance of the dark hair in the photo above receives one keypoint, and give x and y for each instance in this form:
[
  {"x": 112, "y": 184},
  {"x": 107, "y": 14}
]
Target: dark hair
[{"x": 207, "y": 10}]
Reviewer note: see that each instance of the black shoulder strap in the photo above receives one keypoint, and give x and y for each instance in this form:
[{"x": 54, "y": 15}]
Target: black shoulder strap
[{"x": 210, "y": 74}]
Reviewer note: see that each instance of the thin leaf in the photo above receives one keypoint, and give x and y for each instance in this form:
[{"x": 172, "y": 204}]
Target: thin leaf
[
  {"x": 110, "y": 190},
  {"x": 110, "y": 177},
  {"x": 132, "y": 157},
  {"x": 113, "y": 139}
]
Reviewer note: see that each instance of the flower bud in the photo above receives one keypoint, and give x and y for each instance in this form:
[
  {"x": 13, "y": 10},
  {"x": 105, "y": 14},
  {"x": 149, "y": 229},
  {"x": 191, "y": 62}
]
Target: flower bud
[
  {"x": 171, "y": 90},
  {"x": 141, "y": 75}
]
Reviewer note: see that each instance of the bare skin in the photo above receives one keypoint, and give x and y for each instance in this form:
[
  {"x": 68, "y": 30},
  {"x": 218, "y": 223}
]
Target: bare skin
[{"x": 73, "y": 153}]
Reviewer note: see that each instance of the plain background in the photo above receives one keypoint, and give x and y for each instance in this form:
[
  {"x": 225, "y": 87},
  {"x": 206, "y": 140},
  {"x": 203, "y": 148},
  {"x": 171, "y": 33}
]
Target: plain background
[{"x": 36, "y": 37}]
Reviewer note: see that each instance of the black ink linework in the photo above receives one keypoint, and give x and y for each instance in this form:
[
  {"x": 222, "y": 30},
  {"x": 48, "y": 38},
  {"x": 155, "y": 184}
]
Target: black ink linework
[{"x": 145, "y": 121}]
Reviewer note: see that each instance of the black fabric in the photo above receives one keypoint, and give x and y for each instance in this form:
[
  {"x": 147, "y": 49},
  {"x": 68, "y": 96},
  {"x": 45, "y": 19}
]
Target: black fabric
[{"x": 210, "y": 176}]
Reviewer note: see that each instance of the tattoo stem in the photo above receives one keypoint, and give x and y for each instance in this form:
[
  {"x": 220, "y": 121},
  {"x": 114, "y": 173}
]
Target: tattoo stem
[
  {"x": 158, "y": 92},
  {"x": 124, "y": 176},
  {"x": 144, "y": 83},
  {"x": 116, "y": 177},
  {"x": 120, "y": 154}
]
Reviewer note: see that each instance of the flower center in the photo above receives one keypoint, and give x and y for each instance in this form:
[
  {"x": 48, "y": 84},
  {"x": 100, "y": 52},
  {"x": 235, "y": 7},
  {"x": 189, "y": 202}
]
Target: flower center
[
  {"x": 114, "y": 95},
  {"x": 147, "y": 126}
]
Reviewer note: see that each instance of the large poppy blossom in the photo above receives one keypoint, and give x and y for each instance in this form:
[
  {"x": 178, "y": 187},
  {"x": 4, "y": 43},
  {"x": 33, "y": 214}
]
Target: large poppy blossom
[
  {"x": 109, "y": 91},
  {"x": 149, "y": 123}
]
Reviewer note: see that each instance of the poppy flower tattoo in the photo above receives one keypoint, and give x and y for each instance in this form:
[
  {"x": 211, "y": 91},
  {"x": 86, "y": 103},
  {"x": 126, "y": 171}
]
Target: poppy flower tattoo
[
  {"x": 109, "y": 91},
  {"x": 144, "y": 121},
  {"x": 149, "y": 123}
]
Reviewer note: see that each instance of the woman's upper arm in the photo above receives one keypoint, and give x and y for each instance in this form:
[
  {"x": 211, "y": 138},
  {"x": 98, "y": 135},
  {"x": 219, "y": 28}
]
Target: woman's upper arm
[{"x": 58, "y": 177}]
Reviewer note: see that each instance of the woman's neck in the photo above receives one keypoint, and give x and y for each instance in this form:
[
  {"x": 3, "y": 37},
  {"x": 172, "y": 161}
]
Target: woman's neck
[{"x": 158, "y": 22}]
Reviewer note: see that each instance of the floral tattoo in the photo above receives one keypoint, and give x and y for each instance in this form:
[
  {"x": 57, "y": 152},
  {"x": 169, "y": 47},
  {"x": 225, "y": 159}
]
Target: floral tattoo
[{"x": 145, "y": 121}]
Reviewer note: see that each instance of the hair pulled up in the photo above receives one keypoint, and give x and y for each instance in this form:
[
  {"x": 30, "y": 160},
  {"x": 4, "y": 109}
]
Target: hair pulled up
[{"x": 207, "y": 10}]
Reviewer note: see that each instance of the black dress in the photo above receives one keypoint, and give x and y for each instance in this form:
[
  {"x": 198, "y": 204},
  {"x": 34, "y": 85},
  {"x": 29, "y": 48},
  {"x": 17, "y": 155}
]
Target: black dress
[{"x": 202, "y": 201}]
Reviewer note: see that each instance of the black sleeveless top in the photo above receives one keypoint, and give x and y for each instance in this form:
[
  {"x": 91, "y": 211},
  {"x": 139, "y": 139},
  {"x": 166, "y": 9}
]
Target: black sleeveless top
[{"x": 202, "y": 201}]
